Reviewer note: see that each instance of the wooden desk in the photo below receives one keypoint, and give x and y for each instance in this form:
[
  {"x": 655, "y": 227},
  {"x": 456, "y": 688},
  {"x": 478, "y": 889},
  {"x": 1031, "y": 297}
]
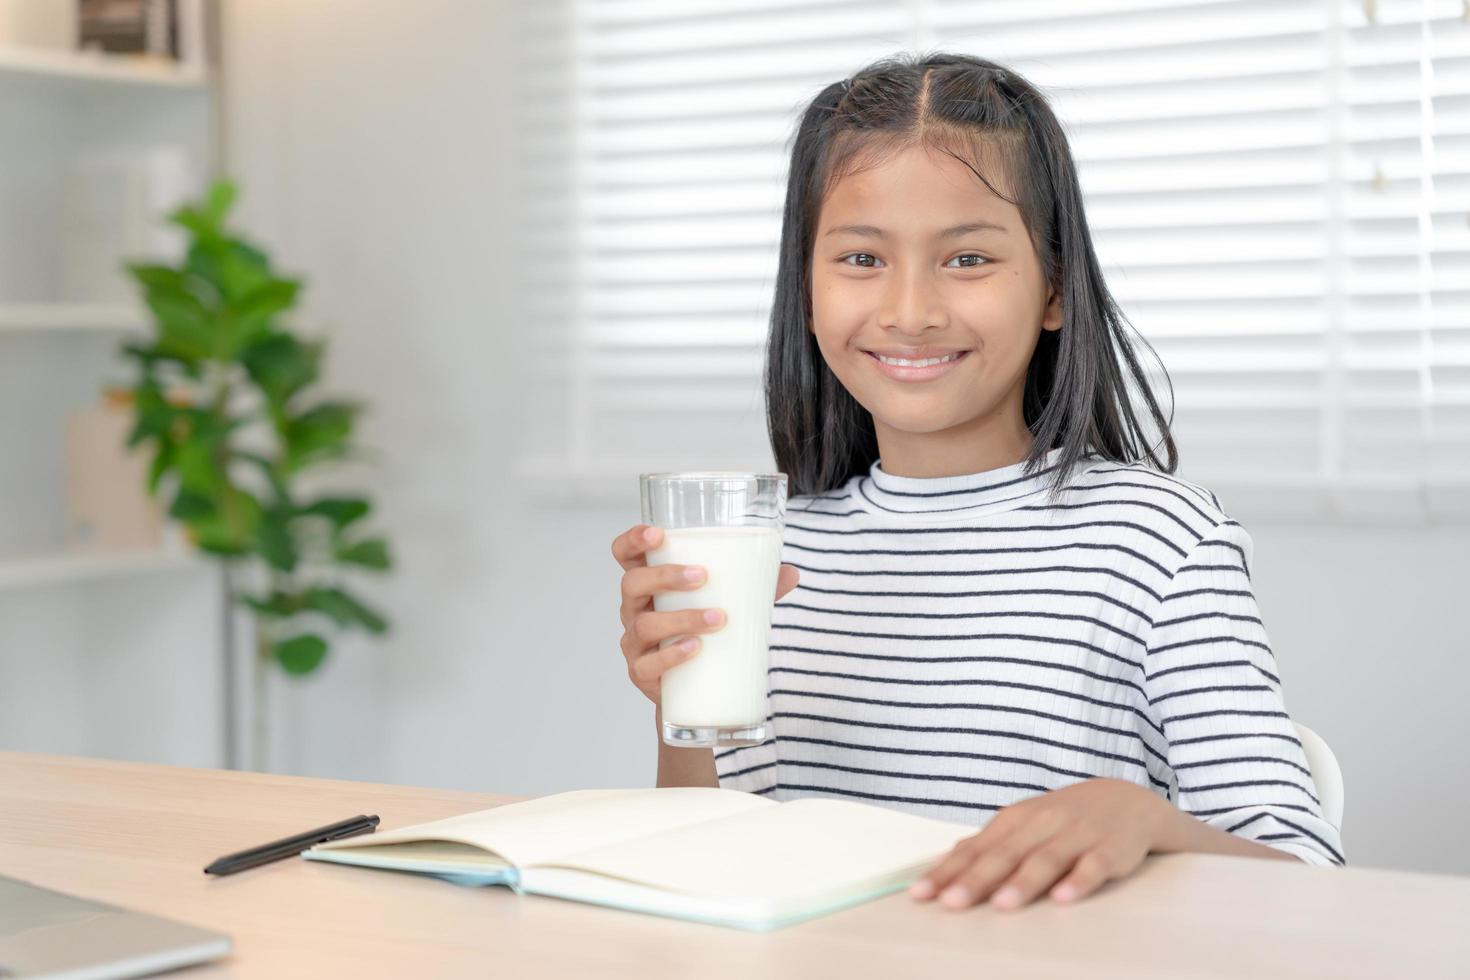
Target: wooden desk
[{"x": 139, "y": 835}]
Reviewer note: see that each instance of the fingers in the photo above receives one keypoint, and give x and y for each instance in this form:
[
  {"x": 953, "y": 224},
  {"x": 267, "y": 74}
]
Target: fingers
[
  {"x": 648, "y": 668},
  {"x": 1074, "y": 863},
  {"x": 1082, "y": 864},
  {"x": 1011, "y": 876},
  {"x": 977, "y": 864},
  {"x": 1093, "y": 870},
  {"x": 992, "y": 837},
  {"x": 649, "y": 628},
  {"x": 1040, "y": 871},
  {"x": 641, "y": 582},
  {"x": 969, "y": 873},
  {"x": 786, "y": 580},
  {"x": 629, "y": 547}
]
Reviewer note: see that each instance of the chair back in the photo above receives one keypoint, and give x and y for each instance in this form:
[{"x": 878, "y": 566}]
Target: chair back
[{"x": 1326, "y": 773}]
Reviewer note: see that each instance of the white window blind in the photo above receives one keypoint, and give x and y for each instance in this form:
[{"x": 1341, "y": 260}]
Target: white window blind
[
  {"x": 1402, "y": 366},
  {"x": 1279, "y": 192}
]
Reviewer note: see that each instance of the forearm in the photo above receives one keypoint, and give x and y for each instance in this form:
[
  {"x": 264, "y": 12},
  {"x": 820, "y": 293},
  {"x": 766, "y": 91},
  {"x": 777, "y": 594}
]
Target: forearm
[
  {"x": 682, "y": 767},
  {"x": 1182, "y": 832}
]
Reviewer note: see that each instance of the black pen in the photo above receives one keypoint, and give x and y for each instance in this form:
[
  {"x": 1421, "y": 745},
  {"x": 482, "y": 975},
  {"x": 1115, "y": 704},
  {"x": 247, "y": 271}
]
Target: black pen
[{"x": 291, "y": 846}]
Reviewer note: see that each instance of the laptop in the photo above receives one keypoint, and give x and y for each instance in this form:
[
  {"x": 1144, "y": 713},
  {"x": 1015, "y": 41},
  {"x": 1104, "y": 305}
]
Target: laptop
[{"x": 51, "y": 934}]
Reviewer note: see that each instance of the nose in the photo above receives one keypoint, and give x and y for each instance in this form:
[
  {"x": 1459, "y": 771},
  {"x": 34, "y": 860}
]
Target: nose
[{"x": 912, "y": 305}]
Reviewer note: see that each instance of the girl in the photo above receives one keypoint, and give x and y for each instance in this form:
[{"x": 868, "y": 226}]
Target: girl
[{"x": 1009, "y": 612}]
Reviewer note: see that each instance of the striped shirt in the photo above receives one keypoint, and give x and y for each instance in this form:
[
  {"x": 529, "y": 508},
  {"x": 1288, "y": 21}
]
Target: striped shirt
[{"x": 957, "y": 644}]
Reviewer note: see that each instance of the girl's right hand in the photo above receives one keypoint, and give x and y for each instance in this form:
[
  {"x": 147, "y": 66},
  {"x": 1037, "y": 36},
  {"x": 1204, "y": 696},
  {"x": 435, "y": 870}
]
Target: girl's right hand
[{"x": 644, "y": 627}]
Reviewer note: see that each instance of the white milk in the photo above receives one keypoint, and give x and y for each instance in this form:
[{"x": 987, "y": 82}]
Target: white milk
[{"x": 725, "y": 683}]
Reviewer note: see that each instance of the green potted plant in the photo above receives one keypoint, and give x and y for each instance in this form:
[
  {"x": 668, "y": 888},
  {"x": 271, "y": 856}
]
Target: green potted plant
[{"x": 225, "y": 397}]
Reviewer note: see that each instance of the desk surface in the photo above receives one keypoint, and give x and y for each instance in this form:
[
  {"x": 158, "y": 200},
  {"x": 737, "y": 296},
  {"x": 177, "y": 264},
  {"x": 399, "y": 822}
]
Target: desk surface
[{"x": 139, "y": 835}]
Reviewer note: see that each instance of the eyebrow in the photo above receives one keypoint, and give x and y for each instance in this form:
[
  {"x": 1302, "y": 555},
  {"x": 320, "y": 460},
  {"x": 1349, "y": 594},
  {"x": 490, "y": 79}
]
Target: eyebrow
[{"x": 872, "y": 231}]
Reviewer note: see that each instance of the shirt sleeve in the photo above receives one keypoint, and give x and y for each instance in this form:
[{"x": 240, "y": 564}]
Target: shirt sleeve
[
  {"x": 1211, "y": 677},
  {"x": 748, "y": 768}
]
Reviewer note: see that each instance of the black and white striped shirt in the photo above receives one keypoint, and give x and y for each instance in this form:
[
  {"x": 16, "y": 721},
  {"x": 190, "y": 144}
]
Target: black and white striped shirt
[{"x": 957, "y": 644}]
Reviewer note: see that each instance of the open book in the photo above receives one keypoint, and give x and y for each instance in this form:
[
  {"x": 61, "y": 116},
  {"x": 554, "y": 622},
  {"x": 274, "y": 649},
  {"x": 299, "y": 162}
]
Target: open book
[{"x": 710, "y": 855}]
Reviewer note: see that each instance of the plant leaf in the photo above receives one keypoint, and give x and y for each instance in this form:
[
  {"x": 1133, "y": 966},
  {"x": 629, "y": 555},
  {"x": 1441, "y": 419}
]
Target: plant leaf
[
  {"x": 273, "y": 539},
  {"x": 221, "y": 196},
  {"x": 231, "y": 529},
  {"x": 346, "y": 610},
  {"x": 301, "y": 654},
  {"x": 341, "y": 511},
  {"x": 370, "y": 553},
  {"x": 279, "y": 604},
  {"x": 207, "y": 219},
  {"x": 281, "y": 365},
  {"x": 163, "y": 461},
  {"x": 255, "y": 312},
  {"x": 190, "y": 506},
  {"x": 154, "y": 416},
  {"x": 186, "y": 333},
  {"x": 198, "y": 470},
  {"x": 147, "y": 355},
  {"x": 272, "y": 475},
  {"x": 251, "y": 254},
  {"x": 321, "y": 430},
  {"x": 157, "y": 276},
  {"x": 240, "y": 270}
]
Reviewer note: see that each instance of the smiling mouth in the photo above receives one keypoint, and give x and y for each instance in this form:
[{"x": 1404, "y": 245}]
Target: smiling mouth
[
  {"x": 920, "y": 363},
  {"x": 917, "y": 369}
]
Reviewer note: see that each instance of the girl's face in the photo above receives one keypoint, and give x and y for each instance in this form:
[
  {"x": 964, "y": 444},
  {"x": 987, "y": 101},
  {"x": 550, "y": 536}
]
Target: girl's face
[{"x": 903, "y": 285}]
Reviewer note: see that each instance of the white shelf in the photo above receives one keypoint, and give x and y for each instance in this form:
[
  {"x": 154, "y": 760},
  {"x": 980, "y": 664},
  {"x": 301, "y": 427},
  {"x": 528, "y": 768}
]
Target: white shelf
[
  {"x": 62, "y": 569},
  {"x": 102, "y": 317},
  {"x": 99, "y": 67}
]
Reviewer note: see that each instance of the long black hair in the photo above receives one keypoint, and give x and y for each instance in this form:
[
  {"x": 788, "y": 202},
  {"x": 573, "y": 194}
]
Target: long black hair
[{"x": 1076, "y": 394}]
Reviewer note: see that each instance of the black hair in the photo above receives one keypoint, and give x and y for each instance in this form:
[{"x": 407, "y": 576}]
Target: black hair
[{"x": 1076, "y": 393}]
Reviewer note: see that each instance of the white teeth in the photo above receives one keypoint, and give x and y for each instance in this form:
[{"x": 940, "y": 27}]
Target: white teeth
[{"x": 924, "y": 363}]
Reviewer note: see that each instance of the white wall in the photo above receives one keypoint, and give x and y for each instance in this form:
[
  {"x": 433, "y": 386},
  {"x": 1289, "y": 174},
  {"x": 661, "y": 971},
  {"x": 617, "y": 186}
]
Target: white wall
[
  {"x": 370, "y": 139},
  {"x": 1364, "y": 623}
]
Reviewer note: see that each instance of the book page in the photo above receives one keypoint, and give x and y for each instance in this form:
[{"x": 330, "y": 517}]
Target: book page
[
  {"x": 782, "y": 855},
  {"x": 433, "y": 856},
  {"x": 547, "y": 827}
]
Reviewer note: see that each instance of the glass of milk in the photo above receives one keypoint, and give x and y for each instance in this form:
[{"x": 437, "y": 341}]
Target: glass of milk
[{"x": 730, "y": 524}]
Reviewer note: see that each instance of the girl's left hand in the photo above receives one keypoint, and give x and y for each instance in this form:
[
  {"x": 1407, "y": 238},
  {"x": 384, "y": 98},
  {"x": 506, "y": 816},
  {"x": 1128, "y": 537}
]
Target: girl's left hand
[{"x": 1080, "y": 836}]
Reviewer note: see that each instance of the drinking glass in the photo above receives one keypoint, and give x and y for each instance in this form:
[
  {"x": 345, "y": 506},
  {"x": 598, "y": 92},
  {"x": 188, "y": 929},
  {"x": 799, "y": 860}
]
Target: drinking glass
[{"x": 730, "y": 524}]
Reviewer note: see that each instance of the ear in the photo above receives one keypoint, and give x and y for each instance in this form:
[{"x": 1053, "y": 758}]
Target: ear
[{"x": 1051, "y": 318}]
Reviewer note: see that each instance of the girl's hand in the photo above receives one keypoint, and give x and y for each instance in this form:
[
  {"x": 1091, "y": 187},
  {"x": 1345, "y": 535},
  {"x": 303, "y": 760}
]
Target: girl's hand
[
  {"x": 1081, "y": 835},
  {"x": 644, "y": 628}
]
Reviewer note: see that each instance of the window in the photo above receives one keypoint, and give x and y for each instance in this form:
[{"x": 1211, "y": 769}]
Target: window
[{"x": 1279, "y": 192}]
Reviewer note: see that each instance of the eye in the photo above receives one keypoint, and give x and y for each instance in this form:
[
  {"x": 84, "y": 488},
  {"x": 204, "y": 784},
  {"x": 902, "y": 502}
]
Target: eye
[
  {"x": 971, "y": 265},
  {"x": 979, "y": 260}
]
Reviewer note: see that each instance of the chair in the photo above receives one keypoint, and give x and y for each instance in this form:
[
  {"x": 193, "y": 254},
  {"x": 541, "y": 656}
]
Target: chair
[{"x": 1326, "y": 773}]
